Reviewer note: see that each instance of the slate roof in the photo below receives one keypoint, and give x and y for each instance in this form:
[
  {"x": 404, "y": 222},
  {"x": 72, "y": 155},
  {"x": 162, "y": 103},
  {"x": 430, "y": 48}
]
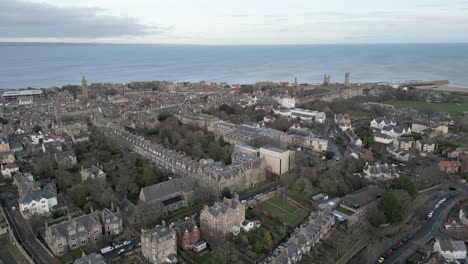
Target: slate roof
[
  {"x": 48, "y": 192},
  {"x": 161, "y": 190},
  {"x": 222, "y": 207},
  {"x": 63, "y": 229},
  {"x": 362, "y": 196}
]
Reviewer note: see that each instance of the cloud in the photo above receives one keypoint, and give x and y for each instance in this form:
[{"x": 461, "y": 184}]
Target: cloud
[{"x": 21, "y": 19}]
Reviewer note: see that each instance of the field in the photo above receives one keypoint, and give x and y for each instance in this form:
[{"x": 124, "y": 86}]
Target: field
[
  {"x": 9, "y": 253},
  {"x": 453, "y": 109},
  {"x": 284, "y": 211}
]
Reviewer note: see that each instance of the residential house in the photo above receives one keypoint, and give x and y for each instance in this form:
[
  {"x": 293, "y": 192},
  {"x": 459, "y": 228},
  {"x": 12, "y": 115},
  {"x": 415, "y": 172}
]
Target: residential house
[
  {"x": 451, "y": 250},
  {"x": 463, "y": 215},
  {"x": 66, "y": 159},
  {"x": 188, "y": 233},
  {"x": 92, "y": 173},
  {"x": 426, "y": 145},
  {"x": 463, "y": 157},
  {"x": 7, "y": 157},
  {"x": 343, "y": 121},
  {"x": 381, "y": 122},
  {"x": 92, "y": 258},
  {"x": 430, "y": 129},
  {"x": 379, "y": 172},
  {"x": 395, "y": 131},
  {"x": 67, "y": 236},
  {"x": 404, "y": 143},
  {"x": 112, "y": 221},
  {"x": 38, "y": 202},
  {"x": 8, "y": 169},
  {"x": 217, "y": 221},
  {"x": 159, "y": 245},
  {"x": 4, "y": 144},
  {"x": 383, "y": 138},
  {"x": 169, "y": 195},
  {"x": 450, "y": 166}
]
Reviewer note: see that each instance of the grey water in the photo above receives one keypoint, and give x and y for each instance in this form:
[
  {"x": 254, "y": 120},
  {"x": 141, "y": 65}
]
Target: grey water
[{"x": 43, "y": 65}]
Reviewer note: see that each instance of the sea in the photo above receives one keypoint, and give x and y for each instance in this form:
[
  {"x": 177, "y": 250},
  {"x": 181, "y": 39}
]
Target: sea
[{"x": 44, "y": 65}]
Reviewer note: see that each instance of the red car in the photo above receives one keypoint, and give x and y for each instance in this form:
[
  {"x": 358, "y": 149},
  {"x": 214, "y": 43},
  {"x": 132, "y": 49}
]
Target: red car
[
  {"x": 400, "y": 244},
  {"x": 389, "y": 252}
]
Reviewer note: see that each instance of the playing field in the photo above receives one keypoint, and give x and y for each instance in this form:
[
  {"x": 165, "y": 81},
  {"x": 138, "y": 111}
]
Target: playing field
[
  {"x": 283, "y": 210},
  {"x": 453, "y": 109}
]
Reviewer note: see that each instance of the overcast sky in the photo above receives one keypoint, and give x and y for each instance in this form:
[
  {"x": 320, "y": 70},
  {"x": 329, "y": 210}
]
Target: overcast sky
[{"x": 235, "y": 21}]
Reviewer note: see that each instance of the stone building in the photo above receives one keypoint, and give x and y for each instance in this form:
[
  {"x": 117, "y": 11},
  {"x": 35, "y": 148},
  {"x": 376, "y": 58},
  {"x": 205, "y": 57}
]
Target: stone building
[
  {"x": 74, "y": 233},
  {"x": 217, "y": 221},
  {"x": 362, "y": 200},
  {"x": 159, "y": 245},
  {"x": 111, "y": 221},
  {"x": 169, "y": 195},
  {"x": 92, "y": 173}
]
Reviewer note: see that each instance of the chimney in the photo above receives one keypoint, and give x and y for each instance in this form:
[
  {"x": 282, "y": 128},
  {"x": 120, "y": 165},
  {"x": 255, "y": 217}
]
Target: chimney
[
  {"x": 92, "y": 209},
  {"x": 163, "y": 223},
  {"x": 112, "y": 207},
  {"x": 69, "y": 216}
]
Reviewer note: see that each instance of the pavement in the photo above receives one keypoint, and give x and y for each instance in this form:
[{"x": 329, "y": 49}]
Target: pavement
[
  {"x": 24, "y": 234},
  {"x": 428, "y": 231}
]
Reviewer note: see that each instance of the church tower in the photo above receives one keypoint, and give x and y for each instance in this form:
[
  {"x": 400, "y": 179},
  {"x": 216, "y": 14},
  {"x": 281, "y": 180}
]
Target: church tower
[{"x": 84, "y": 87}]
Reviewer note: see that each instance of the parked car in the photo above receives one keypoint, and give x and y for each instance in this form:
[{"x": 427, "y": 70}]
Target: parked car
[
  {"x": 400, "y": 244},
  {"x": 121, "y": 251},
  {"x": 381, "y": 260},
  {"x": 126, "y": 242},
  {"x": 389, "y": 252}
]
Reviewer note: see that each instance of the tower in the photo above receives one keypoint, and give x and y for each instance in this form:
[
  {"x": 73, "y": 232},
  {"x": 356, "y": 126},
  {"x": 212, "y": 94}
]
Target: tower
[
  {"x": 326, "y": 80},
  {"x": 295, "y": 81},
  {"x": 84, "y": 87},
  {"x": 346, "y": 80}
]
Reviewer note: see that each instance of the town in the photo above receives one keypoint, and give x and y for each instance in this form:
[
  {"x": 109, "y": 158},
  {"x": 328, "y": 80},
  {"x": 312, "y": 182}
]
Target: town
[{"x": 164, "y": 172}]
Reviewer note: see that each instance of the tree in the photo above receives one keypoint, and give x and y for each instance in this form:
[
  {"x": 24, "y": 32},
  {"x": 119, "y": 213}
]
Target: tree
[
  {"x": 329, "y": 154},
  {"x": 405, "y": 183},
  {"x": 149, "y": 176},
  {"x": 37, "y": 128},
  {"x": 45, "y": 166},
  {"x": 226, "y": 193},
  {"x": 391, "y": 207},
  {"x": 267, "y": 240},
  {"x": 147, "y": 215},
  {"x": 258, "y": 247}
]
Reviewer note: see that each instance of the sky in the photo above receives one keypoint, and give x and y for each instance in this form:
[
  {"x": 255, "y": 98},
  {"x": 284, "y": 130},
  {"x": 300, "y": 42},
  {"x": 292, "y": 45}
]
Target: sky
[{"x": 234, "y": 22}]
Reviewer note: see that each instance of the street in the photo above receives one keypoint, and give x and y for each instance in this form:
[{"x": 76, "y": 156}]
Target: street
[
  {"x": 128, "y": 248},
  {"x": 427, "y": 232},
  {"x": 24, "y": 234},
  {"x": 330, "y": 124}
]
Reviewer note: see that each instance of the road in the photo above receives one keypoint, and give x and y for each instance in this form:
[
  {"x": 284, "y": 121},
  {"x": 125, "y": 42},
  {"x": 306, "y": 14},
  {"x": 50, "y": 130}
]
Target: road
[
  {"x": 128, "y": 248},
  {"x": 24, "y": 234},
  {"x": 427, "y": 232},
  {"x": 330, "y": 124},
  {"x": 260, "y": 190}
]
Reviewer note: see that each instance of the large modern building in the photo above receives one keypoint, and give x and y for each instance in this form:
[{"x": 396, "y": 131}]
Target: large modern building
[
  {"x": 279, "y": 160},
  {"x": 23, "y": 94}
]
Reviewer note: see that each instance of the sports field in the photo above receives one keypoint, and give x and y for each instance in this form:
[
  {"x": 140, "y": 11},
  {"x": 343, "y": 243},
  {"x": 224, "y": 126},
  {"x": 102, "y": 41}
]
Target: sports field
[{"x": 284, "y": 210}]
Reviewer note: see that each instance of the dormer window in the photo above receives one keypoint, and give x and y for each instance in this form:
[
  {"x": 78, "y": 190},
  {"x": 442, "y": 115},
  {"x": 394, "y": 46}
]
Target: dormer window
[{"x": 71, "y": 232}]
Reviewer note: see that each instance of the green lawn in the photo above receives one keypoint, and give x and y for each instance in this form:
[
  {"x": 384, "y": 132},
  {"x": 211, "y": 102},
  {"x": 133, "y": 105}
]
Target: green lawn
[
  {"x": 453, "y": 109},
  {"x": 344, "y": 211},
  {"x": 75, "y": 179},
  {"x": 10, "y": 253},
  {"x": 283, "y": 210}
]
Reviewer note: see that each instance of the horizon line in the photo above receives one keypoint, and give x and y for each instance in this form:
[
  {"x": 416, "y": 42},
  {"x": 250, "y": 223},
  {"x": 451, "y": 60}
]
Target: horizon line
[{"x": 194, "y": 44}]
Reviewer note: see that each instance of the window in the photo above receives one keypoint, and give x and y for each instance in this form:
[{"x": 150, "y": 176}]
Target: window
[{"x": 71, "y": 232}]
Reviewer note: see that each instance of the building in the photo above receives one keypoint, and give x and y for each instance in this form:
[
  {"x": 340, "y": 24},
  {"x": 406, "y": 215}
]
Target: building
[
  {"x": 381, "y": 122},
  {"x": 288, "y": 102},
  {"x": 4, "y": 144},
  {"x": 188, "y": 233},
  {"x": 383, "y": 138},
  {"x": 426, "y": 145},
  {"x": 343, "y": 121},
  {"x": 92, "y": 173},
  {"x": 7, "y": 157},
  {"x": 430, "y": 129},
  {"x": 8, "y": 169},
  {"x": 450, "y": 166},
  {"x": 404, "y": 143},
  {"x": 217, "y": 221},
  {"x": 346, "y": 81},
  {"x": 362, "y": 200},
  {"x": 112, "y": 221},
  {"x": 279, "y": 160},
  {"x": 395, "y": 131},
  {"x": 303, "y": 114},
  {"x": 84, "y": 87},
  {"x": 159, "y": 245},
  {"x": 169, "y": 195},
  {"x": 450, "y": 250},
  {"x": 14, "y": 95},
  {"x": 380, "y": 172},
  {"x": 38, "y": 202},
  {"x": 84, "y": 230},
  {"x": 92, "y": 258}
]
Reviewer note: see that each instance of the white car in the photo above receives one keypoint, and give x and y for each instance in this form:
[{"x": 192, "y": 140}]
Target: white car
[
  {"x": 126, "y": 242},
  {"x": 430, "y": 214},
  {"x": 121, "y": 251},
  {"x": 117, "y": 246}
]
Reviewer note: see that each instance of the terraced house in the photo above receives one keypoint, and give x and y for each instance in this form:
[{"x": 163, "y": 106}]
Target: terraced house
[{"x": 74, "y": 233}]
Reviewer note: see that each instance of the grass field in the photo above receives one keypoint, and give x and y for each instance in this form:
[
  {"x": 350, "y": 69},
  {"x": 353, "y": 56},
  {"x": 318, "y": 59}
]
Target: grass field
[
  {"x": 283, "y": 210},
  {"x": 453, "y": 109},
  {"x": 9, "y": 253}
]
